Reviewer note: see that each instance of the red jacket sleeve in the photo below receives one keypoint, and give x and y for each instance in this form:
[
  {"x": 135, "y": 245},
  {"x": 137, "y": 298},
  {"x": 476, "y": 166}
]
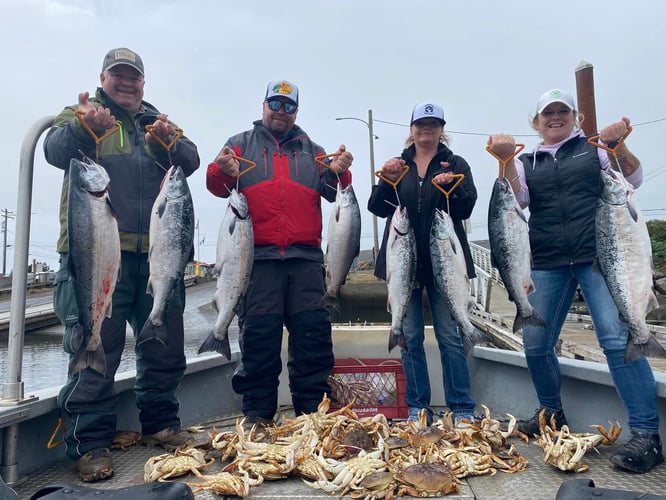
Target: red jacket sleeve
[{"x": 217, "y": 182}]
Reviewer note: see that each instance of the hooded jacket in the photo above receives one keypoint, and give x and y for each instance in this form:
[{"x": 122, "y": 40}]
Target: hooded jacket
[
  {"x": 462, "y": 199},
  {"x": 283, "y": 192},
  {"x": 136, "y": 168}
]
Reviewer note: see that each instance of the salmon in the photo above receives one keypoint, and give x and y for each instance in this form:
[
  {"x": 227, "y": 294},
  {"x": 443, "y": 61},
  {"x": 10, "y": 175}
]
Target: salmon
[
  {"x": 510, "y": 252},
  {"x": 344, "y": 243},
  {"x": 624, "y": 258},
  {"x": 233, "y": 266},
  {"x": 171, "y": 248},
  {"x": 93, "y": 259}
]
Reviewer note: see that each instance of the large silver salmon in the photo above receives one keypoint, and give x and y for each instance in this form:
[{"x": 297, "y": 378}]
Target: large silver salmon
[
  {"x": 510, "y": 251},
  {"x": 624, "y": 256},
  {"x": 344, "y": 242},
  {"x": 450, "y": 272},
  {"x": 400, "y": 273},
  {"x": 171, "y": 237},
  {"x": 235, "y": 252},
  {"x": 94, "y": 259}
]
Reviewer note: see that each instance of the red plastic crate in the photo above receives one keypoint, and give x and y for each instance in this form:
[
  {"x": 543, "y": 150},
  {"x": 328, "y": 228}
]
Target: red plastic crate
[{"x": 377, "y": 384}]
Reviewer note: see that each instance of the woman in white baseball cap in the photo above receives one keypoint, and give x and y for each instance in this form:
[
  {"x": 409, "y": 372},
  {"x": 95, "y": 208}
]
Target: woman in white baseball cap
[
  {"x": 560, "y": 181},
  {"x": 429, "y": 160}
]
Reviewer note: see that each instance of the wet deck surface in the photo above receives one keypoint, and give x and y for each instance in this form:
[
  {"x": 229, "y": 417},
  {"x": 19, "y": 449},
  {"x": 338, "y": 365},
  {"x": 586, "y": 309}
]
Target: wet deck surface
[{"x": 538, "y": 481}]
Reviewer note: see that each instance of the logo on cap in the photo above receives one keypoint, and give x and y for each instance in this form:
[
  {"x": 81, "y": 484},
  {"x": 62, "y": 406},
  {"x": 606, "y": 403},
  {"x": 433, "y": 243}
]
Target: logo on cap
[
  {"x": 127, "y": 55},
  {"x": 282, "y": 88},
  {"x": 429, "y": 109}
]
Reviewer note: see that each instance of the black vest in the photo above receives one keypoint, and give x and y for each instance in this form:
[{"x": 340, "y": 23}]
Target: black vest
[{"x": 563, "y": 199}]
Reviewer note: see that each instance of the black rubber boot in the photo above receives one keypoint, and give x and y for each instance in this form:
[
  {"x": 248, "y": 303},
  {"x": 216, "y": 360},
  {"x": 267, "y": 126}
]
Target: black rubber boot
[{"x": 641, "y": 453}]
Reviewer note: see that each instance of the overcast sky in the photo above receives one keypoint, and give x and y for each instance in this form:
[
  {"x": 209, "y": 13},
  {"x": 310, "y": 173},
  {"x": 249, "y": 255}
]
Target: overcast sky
[{"x": 208, "y": 63}]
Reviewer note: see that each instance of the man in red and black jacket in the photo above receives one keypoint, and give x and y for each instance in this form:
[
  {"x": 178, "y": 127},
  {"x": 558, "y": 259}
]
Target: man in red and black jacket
[{"x": 288, "y": 279}]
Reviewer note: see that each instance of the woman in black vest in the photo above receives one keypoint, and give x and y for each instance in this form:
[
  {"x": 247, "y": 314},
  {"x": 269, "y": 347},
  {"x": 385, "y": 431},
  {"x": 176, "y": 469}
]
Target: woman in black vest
[{"x": 560, "y": 181}]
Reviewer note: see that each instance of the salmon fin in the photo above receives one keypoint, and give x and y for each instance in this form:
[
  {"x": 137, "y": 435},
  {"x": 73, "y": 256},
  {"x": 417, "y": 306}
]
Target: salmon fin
[
  {"x": 113, "y": 211},
  {"x": 331, "y": 301},
  {"x": 77, "y": 338},
  {"x": 520, "y": 213},
  {"x": 532, "y": 320},
  {"x": 161, "y": 207},
  {"x": 109, "y": 310},
  {"x": 633, "y": 212},
  {"x": 213, "y": 344},
  {"x": 650, "y": 349},
  {"x": 653, "y": 303},
  {"x": 473, "y": 338},
  {"x": 530, "y": 287},
  {"x": 397, "y": 339},
  {"x": 151, "y": 331},
  {"x": 95, "y": 360}
]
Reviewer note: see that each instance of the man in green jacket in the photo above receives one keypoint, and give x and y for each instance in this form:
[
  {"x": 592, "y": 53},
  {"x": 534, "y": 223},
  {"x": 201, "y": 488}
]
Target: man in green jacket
[{"x": 135, "y": 161}]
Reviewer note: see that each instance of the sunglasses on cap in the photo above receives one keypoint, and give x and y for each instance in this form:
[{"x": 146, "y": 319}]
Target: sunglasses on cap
[{"x": 289, "y": 107}]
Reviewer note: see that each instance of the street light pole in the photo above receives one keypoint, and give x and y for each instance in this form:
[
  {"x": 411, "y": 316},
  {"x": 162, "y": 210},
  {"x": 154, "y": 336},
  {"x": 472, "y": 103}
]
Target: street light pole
[
  {"x": 375, "y": 248},
  {"x": 371, "y": 138}
]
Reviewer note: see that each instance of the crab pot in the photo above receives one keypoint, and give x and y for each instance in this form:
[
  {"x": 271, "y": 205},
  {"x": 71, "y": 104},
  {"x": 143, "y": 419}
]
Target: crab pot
[{"x": 375, "y": 386}]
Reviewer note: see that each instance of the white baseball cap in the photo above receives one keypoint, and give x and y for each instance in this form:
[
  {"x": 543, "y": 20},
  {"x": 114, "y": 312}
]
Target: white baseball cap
[
  {"x": 282, "y": 88},
  {"x": 555, "y": 95},
  {"x": 428, "y": 110}
]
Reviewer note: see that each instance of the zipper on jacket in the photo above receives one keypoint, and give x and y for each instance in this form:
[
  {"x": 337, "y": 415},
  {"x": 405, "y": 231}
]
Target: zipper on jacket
[
  {"x": 137, "y": 144},
  {"x": 293, "y": 153},
  {"x": 121, "y": 140},
  {"x": 283, "y": 231},
  {"x": 265, "y": 162}
]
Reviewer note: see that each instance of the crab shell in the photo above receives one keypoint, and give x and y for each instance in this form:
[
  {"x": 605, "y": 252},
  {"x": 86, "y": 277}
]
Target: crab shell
[{"x": 428, "y": 478}]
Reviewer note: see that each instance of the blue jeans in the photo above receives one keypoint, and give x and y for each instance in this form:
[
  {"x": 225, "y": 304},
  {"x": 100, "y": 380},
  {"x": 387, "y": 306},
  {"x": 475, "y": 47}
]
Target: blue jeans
[
  {"x": 455, "y": 373},
  {"x": 552, "y": 298}
]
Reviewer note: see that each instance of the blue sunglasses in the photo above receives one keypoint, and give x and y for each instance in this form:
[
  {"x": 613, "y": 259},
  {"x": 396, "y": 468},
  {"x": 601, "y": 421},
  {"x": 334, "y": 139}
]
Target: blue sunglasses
[{"x": 276, "y": 105}]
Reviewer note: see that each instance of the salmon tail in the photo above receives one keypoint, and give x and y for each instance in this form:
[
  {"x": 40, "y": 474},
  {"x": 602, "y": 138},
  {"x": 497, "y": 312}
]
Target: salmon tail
[
  {"x": 95, "y": 360},
  {"x": 151, "y": 331},
  {"x": 331, "y": 301},
  {"x": 650, "y": 349},
  {"x": 397, "y": 338},
  {"x": 213, "y": 344},
  {"x": 532, "y": 320},
  {"x": 472, "y": 338}
]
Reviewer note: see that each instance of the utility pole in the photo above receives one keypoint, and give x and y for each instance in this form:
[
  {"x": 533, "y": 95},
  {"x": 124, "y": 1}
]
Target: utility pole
[
  {"x": 371, "y": 139},
  {"x": 6, "y": 214}
]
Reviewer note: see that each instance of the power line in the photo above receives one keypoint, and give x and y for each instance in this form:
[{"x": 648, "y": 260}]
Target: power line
[{"x": 486, "y": 134}]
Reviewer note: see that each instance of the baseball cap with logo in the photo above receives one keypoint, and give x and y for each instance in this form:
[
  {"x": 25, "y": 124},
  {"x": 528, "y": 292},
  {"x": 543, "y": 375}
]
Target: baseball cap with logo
[
  {"x": 282, "y": 88},
  {"x": 116, "y": 57},
  {"x": 427, "y": 110},
  {"x": 555, "y": 95}
]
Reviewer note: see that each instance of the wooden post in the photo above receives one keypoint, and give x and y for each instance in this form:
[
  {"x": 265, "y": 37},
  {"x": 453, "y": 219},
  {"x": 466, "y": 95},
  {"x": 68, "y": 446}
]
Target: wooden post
[{"x": 585, "y": 97}]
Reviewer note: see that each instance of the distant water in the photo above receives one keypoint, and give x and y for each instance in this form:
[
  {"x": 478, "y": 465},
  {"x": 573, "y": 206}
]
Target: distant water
[{"x": 45, "y": 363}]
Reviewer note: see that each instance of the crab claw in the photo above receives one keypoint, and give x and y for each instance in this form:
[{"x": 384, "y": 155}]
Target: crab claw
[{"x": 610, "y": 435}]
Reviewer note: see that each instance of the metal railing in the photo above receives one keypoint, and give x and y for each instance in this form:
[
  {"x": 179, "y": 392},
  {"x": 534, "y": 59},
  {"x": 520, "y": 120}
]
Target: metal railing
[
  {"x": 486, "y": 275},
  {"x": 13, "y": 390}
]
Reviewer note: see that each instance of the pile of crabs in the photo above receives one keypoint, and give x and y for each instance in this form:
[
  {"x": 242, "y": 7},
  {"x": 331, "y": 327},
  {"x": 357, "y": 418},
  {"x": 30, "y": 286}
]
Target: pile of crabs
[{"x": 369, "y": 457}]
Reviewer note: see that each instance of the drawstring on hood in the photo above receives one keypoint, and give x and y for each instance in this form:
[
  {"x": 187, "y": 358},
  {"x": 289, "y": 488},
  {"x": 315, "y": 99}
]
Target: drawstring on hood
[{"x": 552, "y": 148}]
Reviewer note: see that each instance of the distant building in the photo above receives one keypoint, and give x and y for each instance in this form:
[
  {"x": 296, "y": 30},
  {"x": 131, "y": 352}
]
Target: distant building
[{"x": 44, "y": 277}]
